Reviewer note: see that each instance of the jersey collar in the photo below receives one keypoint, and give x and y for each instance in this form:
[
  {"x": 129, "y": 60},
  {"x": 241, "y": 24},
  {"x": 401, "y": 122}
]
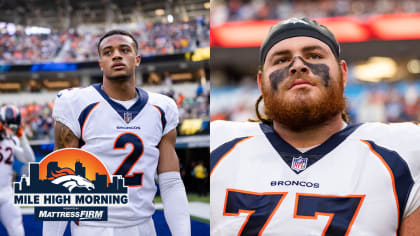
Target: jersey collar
[
  {"x": 126, "y": 114},
  {"x": 303, "y": 160}
]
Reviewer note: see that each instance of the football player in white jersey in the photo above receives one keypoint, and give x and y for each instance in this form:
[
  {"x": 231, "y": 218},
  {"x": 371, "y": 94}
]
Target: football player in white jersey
[
  {"x": 303, "y": 170},
  {"x": 133, "y": 132},
  {"x": 12, "y": 144}
]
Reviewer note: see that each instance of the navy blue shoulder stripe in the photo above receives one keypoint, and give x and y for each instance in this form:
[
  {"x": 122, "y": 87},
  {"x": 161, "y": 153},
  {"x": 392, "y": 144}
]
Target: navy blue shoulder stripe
[
  {"x": 81, "y": 143},
  {"x": 219, "y": 152},
  {"x": 402, "y": 176},
  {"x": 162, "y": 117},
  {"x": 84, "y": 114}
]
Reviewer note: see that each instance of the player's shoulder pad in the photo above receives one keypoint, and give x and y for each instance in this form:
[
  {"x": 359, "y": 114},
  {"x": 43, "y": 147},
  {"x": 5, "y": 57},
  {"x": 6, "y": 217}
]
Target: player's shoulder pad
[
  {"x": 77, "y": 94},
  {"x": 391, "y": 132},
  {"x": 69, "y": 92},
  {"x": 402, "y": 138},
  {"x": 162, "y": 101},
  {"x": 224, "y": 131}
]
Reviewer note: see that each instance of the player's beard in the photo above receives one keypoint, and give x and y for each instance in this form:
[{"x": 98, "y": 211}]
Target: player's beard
[{"x": 300, "y": 113}]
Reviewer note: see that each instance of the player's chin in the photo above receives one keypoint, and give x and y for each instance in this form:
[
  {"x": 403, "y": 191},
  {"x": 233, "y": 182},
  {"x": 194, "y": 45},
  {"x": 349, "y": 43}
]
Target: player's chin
[
  {"x": 119, "y": 76},
  {"x": 303, "y": 96}
]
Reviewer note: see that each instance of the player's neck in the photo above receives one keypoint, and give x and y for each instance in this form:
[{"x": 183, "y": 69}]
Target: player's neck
[
  {"x": 312, "y": 136},
  {"x": 120, "y": 90}
]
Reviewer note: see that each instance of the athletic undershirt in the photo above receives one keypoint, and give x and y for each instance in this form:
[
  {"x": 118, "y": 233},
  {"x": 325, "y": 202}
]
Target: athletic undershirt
[{"x": 127, "y": 104}]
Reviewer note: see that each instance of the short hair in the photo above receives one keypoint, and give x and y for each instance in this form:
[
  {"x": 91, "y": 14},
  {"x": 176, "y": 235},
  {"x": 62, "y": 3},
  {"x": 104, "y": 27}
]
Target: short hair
[{"x": 120, "y": 32}]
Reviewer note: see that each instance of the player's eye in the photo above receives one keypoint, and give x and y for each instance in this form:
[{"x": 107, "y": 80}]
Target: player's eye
[
  {"x": 281, "y": 60},
  {"x": 107, "y": 52},
  {"x": 315, "y": 56},
  {"x": 125, "y": 50}
]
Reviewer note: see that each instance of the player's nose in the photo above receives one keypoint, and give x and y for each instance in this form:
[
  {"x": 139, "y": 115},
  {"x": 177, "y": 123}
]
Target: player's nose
[
  {"x": 298, "y": 66},
  {"x": 116, "y": 56}
]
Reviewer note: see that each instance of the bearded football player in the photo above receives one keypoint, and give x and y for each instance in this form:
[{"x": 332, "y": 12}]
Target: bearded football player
[{"x": 303, "y": 169}]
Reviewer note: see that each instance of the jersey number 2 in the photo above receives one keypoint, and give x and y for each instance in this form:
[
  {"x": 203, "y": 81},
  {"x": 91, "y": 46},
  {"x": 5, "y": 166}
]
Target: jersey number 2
[
  {"x": 342, "y": 210},
  {"x": 135, "y": 179},
  {"x": 8, "y": 159}
]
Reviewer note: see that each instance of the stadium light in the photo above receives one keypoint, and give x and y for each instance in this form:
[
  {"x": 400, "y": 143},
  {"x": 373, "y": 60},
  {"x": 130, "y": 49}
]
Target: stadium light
[
  {"x": 159, "y": 12},
  {"x": 37, "y": 30},
  {"x": 413, "y": 66},
  {"x": 170, "y": 18},
  {"x": 376, "y": 69},
  {"x": 11, "y": 28}
]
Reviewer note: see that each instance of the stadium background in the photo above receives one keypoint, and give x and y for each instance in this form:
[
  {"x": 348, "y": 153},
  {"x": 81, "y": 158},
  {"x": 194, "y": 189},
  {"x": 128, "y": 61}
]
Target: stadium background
[
  {"x": 379, "y": 40},
  {"x": 49, "y": 45}
]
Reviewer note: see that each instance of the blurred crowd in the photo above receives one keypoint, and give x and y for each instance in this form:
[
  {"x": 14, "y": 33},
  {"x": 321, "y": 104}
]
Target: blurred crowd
[
  {"x": 242, "y": 10},
  {"x": 368, "y": 103},
  {"x": 72, "y": 46},
  {"x": 39, "y": 124},
  {"x": 388, "y": 104},
  {"x": 37, "y": 120}
]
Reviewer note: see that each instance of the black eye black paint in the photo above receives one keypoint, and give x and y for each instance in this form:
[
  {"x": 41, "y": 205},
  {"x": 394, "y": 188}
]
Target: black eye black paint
[
  {"x": 279, "y": 75},
  {"x": 321, "y": 70}
]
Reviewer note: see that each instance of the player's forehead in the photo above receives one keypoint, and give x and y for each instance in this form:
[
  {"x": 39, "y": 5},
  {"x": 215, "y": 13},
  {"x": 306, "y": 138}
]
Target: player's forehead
[
  {"x": 297, "y": 45},
  {"x": 117, "y": 40}
]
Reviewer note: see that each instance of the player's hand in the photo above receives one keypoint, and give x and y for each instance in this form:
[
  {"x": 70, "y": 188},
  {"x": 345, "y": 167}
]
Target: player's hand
[{"x": 19, "y": 132}]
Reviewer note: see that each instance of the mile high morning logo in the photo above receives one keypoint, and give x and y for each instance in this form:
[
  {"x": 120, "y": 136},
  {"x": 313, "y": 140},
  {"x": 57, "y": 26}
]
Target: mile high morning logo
[{"x": 70, "y": 184}]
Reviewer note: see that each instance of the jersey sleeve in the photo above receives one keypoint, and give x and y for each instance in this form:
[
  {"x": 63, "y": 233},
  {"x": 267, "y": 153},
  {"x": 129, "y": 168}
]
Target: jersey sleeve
[
  {"x": 413, "y": 152},
  {"x": 216, "y": 137},
  {"x": 22, "y": 149},
  {"x": 63, "y": 111},
  {"x": 171, "y": 116},
  {"x": 406, "y": 143}
]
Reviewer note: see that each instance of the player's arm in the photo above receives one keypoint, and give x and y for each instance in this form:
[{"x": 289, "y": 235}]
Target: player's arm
[
  {"x": 172, "y": 190},
  {"x": 64, "y": 137},
  {"x": 23, "y": 150},
  {"x": 410, "y": 225}
]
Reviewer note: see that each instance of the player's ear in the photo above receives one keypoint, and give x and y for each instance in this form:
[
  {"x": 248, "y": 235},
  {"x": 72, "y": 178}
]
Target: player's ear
[
  {"x": 259, "y": 75},
  {"x": 138, "y": 60},
  {"x": 100, "y": 64},
  {"x": 343, "y": 71}
]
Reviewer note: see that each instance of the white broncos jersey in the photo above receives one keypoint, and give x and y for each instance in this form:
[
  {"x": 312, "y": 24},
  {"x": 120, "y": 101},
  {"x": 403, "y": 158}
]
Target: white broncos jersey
[
  {"x": 125, "y": 140},
  {"x": 364, "y": 180},
  {"x": 10, "y": 147}
]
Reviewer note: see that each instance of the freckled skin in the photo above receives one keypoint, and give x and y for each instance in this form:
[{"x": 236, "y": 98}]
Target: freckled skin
[{"x": 321, "y": 70}]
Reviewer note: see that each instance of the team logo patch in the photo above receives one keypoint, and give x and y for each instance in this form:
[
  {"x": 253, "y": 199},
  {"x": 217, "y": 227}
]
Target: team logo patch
[
  {"x": 295, "y": 20},
  {"x": 299, "y": 163},
  {"x": 128, "y": 116},
  {"x": 70, "y": 184}
]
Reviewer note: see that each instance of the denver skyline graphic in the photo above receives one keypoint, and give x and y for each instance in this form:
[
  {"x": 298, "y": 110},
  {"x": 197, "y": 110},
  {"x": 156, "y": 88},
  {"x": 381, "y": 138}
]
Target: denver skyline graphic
[{"x": 35, "y": 185}]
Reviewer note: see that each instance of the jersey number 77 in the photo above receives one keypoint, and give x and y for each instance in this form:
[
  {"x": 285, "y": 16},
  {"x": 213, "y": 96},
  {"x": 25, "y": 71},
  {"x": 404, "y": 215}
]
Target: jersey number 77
[{"x": 342, "y": 210}]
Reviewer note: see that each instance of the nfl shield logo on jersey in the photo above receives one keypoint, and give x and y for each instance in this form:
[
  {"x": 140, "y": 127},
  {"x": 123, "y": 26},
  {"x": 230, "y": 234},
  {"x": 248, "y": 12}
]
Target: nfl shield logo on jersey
[
  {"x": 128, "y": 117},
  {"x": 299, "y": 164}
]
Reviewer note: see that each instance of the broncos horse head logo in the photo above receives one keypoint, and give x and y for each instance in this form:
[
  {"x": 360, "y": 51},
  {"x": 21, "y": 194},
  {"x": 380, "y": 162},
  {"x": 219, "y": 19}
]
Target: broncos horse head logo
[{"x": 67, "y": 178}]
